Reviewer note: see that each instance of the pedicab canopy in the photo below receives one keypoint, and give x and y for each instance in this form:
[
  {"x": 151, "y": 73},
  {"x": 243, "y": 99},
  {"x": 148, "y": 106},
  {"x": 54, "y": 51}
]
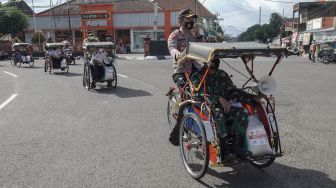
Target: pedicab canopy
[
  {"x": 21, "y": 45},
  {"x": 54, "y": 45},
  {"x": 207, "y": 51},
  {"x": 87, "y": 45}
]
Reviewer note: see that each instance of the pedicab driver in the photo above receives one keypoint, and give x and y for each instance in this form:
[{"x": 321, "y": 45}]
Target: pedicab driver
[
  {"x": 56, "y": 57},
  {"x": 98, "y": 66},
  {"x": 179, "y": 40}
]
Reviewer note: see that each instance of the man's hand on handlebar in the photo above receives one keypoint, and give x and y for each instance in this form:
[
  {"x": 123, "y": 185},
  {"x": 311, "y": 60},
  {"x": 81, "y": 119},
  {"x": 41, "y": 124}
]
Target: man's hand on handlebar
[{"x": 225, "y": 104}]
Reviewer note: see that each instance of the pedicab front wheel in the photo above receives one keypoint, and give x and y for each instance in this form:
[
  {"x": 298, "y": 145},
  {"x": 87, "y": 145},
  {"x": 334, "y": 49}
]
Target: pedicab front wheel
[
  {"x": 86, "y": 76},
  {"x": 115, "y": 77},
  {"x": 172, "y": 109},
  {"x": 267, "y": 162},
  {"x": 194, "y": 148},
  {"x": 31, "y": 64},
  {"x": 47, "y": 66}
]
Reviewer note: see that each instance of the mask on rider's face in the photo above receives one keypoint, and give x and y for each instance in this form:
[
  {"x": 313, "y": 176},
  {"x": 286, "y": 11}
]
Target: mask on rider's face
[
  {"x": 189, "y": 25},
  {"x": 214, "y": 64}
]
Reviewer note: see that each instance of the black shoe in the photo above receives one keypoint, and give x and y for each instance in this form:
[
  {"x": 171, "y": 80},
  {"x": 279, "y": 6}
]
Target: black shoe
[
  {"x": 109, "y": 84},
  {"x": 93, "y": 85},
  {"x": 174, "y": 137},
  {"x": 62, "y": 69}
]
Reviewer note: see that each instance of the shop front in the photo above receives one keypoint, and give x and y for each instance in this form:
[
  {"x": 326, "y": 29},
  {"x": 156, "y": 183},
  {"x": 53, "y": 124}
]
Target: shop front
[
  {"x": 138, "y": 36},
  {"x": 325, "y": 38}
]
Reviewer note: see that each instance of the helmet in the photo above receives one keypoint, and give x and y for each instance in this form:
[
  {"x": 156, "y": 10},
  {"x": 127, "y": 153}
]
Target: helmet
[{"x": 91, "y": 35}]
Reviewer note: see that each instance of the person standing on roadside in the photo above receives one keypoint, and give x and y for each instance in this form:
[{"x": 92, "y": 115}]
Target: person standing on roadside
[{"x": 312, "y": 51}]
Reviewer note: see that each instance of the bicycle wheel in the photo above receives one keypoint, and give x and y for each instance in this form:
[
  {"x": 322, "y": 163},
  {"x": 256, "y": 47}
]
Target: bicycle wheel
[
  {"x": 267, "y": 162},
  {"x": 172, "y": 109},
  {"x": 194, "y": 148},
  {"x": 86, "y": 77},
  {"x": 115, "y": 77}
]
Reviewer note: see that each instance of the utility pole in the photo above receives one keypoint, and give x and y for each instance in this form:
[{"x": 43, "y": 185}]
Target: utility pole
[
  {"x": 50, "y": 20},
  {"x": 195, "y": 4},
  {"x": 34, "y": 15},
  {"x": 156, "y": 20},
  {"x": 259, "y": 15},
  {"x": 69, "y": 21},
  {"x": 71, "y": 34}
]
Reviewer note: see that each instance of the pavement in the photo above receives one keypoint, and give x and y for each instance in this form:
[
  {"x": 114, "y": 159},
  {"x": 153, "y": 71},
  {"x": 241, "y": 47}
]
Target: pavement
[
  {"x": 141, "y": 56},
  {"x": 131, "y": 56},
  {"x": 54, "y": 133}
]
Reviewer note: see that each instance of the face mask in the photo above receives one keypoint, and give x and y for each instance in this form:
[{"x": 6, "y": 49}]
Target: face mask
[{"x": 189, "y": 25}]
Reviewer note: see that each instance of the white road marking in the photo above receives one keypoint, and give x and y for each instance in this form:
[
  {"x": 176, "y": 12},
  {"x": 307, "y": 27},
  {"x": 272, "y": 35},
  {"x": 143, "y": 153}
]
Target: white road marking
[
  {"x": 8, "y": 101},
  {"x": 10, "y": 74},
  {"x": 122, "y": 75}
]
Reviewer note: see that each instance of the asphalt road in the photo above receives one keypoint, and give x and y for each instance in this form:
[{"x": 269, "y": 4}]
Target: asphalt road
[{"x": 57, "y": 134}]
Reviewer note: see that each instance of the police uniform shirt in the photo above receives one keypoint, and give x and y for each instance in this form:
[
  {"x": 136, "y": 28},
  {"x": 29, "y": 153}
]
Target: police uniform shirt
[{"x": 177, "y": 42}]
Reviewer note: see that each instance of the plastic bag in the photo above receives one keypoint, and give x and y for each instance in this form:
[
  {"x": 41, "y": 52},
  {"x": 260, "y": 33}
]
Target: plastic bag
[
  {"x": 109, "y": 73},
  {"x": 257, "y": 138},
  {"x": 64, "y": 64}
]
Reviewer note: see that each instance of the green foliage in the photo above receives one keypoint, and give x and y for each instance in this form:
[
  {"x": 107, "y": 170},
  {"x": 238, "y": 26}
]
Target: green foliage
[
  {"x": 263, "y": 32},
  {"x": 249, "y": 34},
  {"x": 11, "y": 3},
  {"x": 38, "y": 38},
  {"x": 12, "y": 20}
]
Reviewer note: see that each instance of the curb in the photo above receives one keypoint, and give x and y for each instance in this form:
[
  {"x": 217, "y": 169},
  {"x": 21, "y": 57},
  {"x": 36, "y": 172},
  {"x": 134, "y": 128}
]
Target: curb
[
  {"x": 145, "y": 58},
  {"x": 158, "y": 57}
]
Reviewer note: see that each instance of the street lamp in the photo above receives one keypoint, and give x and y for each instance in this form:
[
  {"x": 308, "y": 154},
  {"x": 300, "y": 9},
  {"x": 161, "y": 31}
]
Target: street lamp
[{"x": 156, "y": 18}]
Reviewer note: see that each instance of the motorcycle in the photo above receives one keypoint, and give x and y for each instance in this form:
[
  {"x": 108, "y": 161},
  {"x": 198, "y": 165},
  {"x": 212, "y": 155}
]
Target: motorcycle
[{"x": 327, "y": 56}]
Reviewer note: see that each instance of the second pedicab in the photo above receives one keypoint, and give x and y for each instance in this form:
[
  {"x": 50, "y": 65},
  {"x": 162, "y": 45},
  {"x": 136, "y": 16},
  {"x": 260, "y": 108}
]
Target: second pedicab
[
  {"x": 99, "y": 64},
  {"x": 55, "y": 58}
]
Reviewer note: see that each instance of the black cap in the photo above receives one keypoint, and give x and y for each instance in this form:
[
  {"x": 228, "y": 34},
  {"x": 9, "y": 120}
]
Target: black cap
[{"x": 187, "y": 14}]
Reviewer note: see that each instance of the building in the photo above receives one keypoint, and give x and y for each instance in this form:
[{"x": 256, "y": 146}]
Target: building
[
  {"x": 127, "y": 21},
  {"x": 314, "y": 21}
]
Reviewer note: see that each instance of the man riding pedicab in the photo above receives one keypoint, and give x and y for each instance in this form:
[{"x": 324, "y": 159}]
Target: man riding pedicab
[
  {"x": 220, "y": 86},
  {"x": 97, "y": 58},
  {"x": 55, "y": 58},
  {"x": 179, "y": 40}
]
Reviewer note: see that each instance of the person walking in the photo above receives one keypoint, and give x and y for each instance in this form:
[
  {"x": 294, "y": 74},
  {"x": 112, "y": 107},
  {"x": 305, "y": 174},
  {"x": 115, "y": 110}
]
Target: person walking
[{"x": 312, "y": 51}]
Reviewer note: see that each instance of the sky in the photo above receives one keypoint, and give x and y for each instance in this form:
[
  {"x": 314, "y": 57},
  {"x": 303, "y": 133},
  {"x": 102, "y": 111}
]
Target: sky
[{"x": 236, "y": 15}]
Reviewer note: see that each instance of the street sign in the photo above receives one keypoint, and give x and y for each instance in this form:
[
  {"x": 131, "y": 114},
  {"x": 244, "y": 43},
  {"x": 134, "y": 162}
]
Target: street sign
[{"x": 95, "y": 16}]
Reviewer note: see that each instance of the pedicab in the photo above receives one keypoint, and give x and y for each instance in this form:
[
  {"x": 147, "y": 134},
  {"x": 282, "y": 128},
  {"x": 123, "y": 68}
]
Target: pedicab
[
  {"x": 55, "y": 58},
  {"x": 99, "y": 64},
  {"x": 200, "y": 141},
  {"x": 22, "y": 54},
  {"x": 69, "y": 51}
]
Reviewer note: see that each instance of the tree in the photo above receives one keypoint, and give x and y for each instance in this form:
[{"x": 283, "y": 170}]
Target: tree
[
  {"x": 38, "y": 38},
  {"x": 274, "y": 25},
  {"x": 264, "y": 32},
  {"x": 12, "y": 20},
  {"x": 12, "y": 3},
  {"x": 249, "y": 34}
]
